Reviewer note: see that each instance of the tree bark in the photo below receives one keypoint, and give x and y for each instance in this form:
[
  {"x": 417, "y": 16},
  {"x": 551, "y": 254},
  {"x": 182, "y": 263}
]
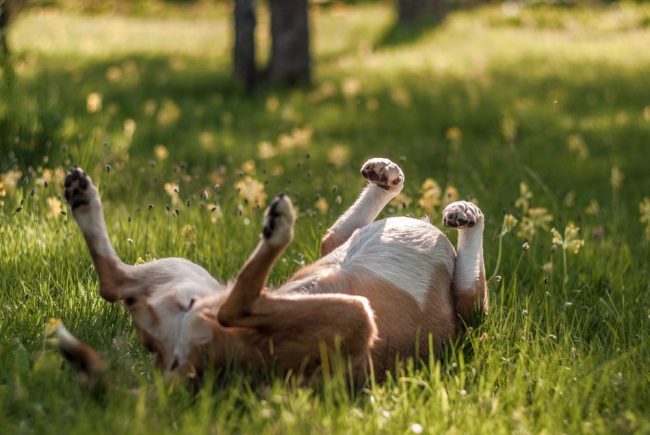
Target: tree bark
[
  {"x": 411, "y": 11},
  {"x": 4, "y": 26},
  {"x": 244, "y": 50},
  {"x": 290, "y": 59}
]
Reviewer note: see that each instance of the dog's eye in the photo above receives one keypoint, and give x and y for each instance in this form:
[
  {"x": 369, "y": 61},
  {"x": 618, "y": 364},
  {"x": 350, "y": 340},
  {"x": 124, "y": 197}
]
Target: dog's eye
[
  {"x": 129, "y": 301},
  {"x": 174, "y": 365},
  {"x": 189, "y": 307}
]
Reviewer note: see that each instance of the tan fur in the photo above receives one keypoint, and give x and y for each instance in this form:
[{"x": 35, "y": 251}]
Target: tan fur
[
  {"x": 471, "y": 302},
  {"x": 398, "y": 328},
  {"x": 187, "y": 319},
  {"x": 329, "y": 243}
]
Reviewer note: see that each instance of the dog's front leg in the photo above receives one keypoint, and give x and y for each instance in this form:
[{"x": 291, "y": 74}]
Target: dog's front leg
[
  {"x": 83, "y": 199},
  {"x": 385, "y": 182},
  {"x": 276, "y": 236}
]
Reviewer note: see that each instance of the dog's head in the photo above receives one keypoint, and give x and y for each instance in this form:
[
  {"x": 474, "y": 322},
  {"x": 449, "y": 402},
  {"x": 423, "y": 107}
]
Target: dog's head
[{"x": 174, "y": 324}]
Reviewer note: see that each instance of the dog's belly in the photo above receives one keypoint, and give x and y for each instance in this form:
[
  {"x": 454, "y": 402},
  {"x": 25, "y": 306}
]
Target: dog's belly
[
  {"x": 406, "y": 253},
  {"x": 404, "y": 267}
]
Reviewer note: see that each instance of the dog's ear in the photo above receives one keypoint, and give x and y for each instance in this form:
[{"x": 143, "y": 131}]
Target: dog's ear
[{"x": 87, "y": 363}]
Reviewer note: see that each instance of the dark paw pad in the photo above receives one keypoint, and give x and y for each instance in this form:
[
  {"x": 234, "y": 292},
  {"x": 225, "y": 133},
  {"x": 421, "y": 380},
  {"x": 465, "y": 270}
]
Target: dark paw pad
[
  {"x": 383, "y": 173},
  {"x": 461, "y": 214},
  {"x": 76, "y": 188},
  {"x": 272, "y": 215}
]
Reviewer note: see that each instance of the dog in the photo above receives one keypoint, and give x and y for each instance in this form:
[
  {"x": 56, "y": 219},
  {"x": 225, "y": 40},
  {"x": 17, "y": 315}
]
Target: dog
[{"x": 381, "y": 291}]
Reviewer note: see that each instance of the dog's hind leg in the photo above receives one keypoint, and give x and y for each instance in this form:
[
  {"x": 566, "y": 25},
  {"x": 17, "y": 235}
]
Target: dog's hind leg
[
  {"x": 469, "y": 285},
  {"x": 83, "y": 199},
  {"x": 277, "y": 234},
  {"x": 293, "y": 328},
  {"x": 386, "y": 181}
]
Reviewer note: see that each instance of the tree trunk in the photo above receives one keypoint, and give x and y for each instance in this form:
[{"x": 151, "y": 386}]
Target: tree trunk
[
  {"x": 4, "y": 27},
  {"x": 412, "y": 11},
  {"x": 290, "y": 60},
  {"x": 244, "y": 50}
]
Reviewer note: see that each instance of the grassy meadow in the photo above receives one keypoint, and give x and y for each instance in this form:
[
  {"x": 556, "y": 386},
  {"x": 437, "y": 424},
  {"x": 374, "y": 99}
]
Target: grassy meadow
[{"x": 541, "y": 116}]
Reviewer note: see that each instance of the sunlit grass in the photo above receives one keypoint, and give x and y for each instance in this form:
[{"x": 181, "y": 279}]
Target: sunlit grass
[{"x": 541, "y": 116}]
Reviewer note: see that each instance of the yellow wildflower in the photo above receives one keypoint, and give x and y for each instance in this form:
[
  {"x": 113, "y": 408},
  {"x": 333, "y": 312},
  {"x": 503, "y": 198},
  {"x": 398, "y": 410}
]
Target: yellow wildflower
[
  {"x": 525, "y": 195},
  {"x": 570, "y": 242},
  {"x": 372, "y": 104},
  {"x": 10, "y": 179},
  {"x": 215, "y": 212},
  {"x": 430, "y": 194},
  {"x": 55, "y": 176},
  {"x": 168, "y": 113},
  {"x": 93, "y": 102},
  {"x": 526, "y": 229},
  {"x": 297, "y": 138},
  {"x": 150, "y": 107},
  {"x": 570, "y": 199},
  {"x": 540, "y": 217},
  {"x": 593, "y": 208},
  {"x": 402, "y": 200},
  {"x": 577, "y": 145},
  {"x": 326, "y": 90},
  {"x": 644, "y": 218},
  {"x": 617, "y": 178},
  {"x": 321, "y": 205},
  {"x": 509, "y": 128},
  {"x": 188, "y": 233},
  {"x": 113, "y": 74},
  {"x": 265, "y": 150},
  {"x": 272, "y": 104},
  {"x": 454, "y": 134},
  {"x": 277, "y": 170},
  {"x": 401, "y": 97},
  {"x": 54, "y": 204},
  {"x": 147, "y": 258},
  {"x": 451, "y": 195},
  {"x": 339, "y": 155},
  {"x": 207, "y": 141},
  {"x": 161, "y": 152},
  {"x": 129, "y": 127},
  {"x": 509, "y": 222},
  {"x": 172, "y": 189},
  {"x": 351, "y": 87},
  {"x": 252, "y": 191},
  {"x": 248, "y": 167}
]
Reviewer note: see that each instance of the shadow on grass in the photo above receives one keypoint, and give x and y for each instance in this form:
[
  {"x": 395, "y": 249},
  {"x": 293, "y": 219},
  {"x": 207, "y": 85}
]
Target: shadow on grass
[
  {"x": 455, "y": 129},
  {"x": 402, "y": 34}
]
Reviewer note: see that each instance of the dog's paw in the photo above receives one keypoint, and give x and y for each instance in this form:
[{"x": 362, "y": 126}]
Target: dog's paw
[
  {"x": 461, "y": 214},
  {"x": 384, "y": 173},
  {"x": 278, "y": 222},
  {"x": 79, "y": 190}
]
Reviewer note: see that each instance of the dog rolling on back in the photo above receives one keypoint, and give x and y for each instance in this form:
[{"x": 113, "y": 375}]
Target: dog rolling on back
[{"x": 380, "y": 290}]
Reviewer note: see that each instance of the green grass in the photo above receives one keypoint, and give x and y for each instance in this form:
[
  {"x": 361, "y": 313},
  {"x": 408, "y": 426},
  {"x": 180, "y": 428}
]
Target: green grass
[{"x": 488, "y": 100}]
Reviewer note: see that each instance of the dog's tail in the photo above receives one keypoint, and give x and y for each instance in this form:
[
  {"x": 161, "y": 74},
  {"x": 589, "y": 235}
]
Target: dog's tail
[{"x": 88, "y": 365}]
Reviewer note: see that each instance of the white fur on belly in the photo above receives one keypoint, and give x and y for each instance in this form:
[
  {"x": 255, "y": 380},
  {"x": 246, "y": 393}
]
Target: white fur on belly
[{"x": 403, "y": 251}]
